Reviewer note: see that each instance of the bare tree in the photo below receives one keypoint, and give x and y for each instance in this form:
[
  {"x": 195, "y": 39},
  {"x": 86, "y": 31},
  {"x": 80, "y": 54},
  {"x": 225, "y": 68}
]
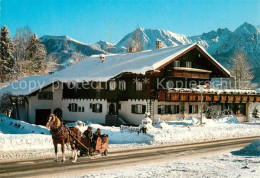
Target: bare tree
[
  {"x": 242, "y": 71},
  {"x": 52, "y": 62},
  {"x": 20, "y": 41},
  {"x": 136, "y": 40},
  {"x": 76, "y": 57}
]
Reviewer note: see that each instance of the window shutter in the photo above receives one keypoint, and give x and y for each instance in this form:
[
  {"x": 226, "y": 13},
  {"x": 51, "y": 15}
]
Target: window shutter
[
  {"x": 144, "y": 109},
  {"x": 76, "y": 107},
  {"x": 196, "y": 109},
  {"x": 100, "y": 108},
  {"x": 93, "y": 106},
  {"x": 159, "y": 109},
  {"x": 133, "y": 109},
  {"x": 190, "y": 109},
  {"x": 177, "y": 109},
  {"x": 69, "y": 107}
]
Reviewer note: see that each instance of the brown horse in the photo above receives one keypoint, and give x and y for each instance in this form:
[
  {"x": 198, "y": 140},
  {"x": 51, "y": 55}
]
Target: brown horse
[{"x": 63, "y": 135}]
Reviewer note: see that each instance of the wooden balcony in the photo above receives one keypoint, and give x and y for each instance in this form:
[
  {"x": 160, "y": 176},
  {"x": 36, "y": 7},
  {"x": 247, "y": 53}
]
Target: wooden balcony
[
  {"x": 238, "y": 99},
  {"x": 230, "y": 99},
  {"x": 185, "y": 96},
  {"x": 257, "y": 99},
  {"x": 175, "y": 97},
  {"x": 193, "y": 97},
  {"x": 244, "y": 99},
  {"x": 223, "y": 99},
  {"x": 251, "y": 98},
  {"x": 209, "y": 97},
  {"x": 184, "y": 72},
  {"x": 216, "y": 98}
]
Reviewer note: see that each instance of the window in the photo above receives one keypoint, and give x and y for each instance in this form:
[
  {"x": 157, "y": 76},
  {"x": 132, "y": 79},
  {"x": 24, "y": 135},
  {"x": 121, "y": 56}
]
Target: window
[
  {"x": 177, "y": 64},
  {"x": 97, "y": 108},
  {"x": 122, "y": 85},
  {"x": 168, "y": 109},
  {"x": 138, "y": 109},
  {"x": 189, "y": 64},
  {"x": 139, "y": 86},
  {"x": 73, "y": 107},
  {"x": 112, "y": 85},
  {"x": 79, "y": 109},
  {"x": 193, "y": 109},
  {"x": 45, "y": 95}
]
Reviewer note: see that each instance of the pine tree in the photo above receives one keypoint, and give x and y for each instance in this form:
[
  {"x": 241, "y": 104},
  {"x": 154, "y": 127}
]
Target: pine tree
[
  {"x": 6, "y": 57},
  {"x": 242, "y": 71},
  {"x": 35, "y": 53}
]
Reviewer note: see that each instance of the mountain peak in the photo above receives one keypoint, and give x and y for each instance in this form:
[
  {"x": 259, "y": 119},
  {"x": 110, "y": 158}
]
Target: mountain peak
[{"x": 247, "y": 28}]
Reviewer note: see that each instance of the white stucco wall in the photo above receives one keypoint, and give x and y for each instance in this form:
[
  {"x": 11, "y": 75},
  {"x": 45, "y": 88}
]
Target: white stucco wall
[
  {"x": 87, "y": 115},
  {"x": 168, "y": 117},
  {"x": 125, "y": 111},
  {"x": 35, "y": 103}
]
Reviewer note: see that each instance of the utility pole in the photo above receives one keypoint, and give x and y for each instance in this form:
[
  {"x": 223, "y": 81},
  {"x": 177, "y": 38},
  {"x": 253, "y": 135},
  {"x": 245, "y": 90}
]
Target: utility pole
[
  {"x": 110, "y": 36},
  {"x": 110, "y": 31}
]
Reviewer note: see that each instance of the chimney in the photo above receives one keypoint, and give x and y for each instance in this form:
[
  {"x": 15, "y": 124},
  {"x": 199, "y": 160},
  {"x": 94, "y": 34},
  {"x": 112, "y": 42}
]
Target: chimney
[
  {"x": 132, "y": 49},
  {"x": 102, "y": 58},
  {"x": 159, "y": 44}
]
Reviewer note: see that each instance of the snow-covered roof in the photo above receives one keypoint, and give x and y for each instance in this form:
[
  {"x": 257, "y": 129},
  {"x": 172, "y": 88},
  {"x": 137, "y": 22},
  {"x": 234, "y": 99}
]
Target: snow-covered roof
[{"x": 90, "y": 69}]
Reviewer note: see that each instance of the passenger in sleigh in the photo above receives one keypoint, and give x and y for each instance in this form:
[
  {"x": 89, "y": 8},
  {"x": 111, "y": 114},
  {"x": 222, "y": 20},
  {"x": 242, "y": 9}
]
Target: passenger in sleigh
[
  {"x": 98, "y": 132},
  {"x": 88, "y": 133}
]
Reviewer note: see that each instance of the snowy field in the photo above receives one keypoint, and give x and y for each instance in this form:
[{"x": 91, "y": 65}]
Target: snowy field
[
  {"x": 239, "y": 163},
  {"x": 20, "y": 140}
]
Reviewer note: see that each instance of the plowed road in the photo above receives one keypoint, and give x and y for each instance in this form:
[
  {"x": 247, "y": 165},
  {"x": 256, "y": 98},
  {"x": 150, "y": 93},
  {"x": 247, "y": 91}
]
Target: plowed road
[{"x": 114, "y": 159}]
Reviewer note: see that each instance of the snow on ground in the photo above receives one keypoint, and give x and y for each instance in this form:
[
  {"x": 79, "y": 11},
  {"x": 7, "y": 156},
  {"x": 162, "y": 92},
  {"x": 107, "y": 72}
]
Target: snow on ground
[
  {"x": 29, "y": 138},
  {"x": 19, "y": 135},
  {"x": 208, "y": 165}
]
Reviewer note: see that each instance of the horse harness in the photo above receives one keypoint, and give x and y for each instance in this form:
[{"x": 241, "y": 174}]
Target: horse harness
[{"x": 62, "y": 131}]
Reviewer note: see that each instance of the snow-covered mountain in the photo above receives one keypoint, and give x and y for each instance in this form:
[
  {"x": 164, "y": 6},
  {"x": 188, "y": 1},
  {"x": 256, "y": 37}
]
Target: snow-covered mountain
[
  {"x": 64, "y": 47},
  {"x": 221, "y": 43}
]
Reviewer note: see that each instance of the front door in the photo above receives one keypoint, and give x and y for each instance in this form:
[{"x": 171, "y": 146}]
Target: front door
[{"x": 42, "y": 116}]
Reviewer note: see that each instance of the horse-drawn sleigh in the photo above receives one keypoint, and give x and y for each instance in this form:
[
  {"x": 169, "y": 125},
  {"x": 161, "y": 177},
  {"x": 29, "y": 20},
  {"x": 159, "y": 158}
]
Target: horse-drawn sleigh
[{"x": 78, "y": 142}]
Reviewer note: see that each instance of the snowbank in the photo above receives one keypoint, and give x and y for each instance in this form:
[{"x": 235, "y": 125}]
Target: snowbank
[
  {"x": 226, "y": 120},
  {"x": 116, "y": 136},
  {"x": 252, "y": 149},
  {"x": 19, "y": 135}
]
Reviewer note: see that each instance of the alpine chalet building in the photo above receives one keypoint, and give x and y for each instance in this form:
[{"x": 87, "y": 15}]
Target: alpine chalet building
[{"x": 118, "y": 89}]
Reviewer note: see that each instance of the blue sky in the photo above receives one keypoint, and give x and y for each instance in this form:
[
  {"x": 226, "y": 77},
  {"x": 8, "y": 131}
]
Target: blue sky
[{"x": 88, "y": 20}]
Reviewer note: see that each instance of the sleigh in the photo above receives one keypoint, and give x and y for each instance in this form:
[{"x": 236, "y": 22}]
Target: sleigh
[{"x": 97, "y": 146}]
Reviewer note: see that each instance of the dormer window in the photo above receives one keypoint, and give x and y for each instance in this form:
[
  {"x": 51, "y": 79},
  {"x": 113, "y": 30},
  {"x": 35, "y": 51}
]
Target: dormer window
[
  {"x": 122, "y": 85},
  {"x": 139, "y": 86},
  {"x": 112, "y": 85},
  {"x": 176, "y": 63},
  {"x": 189, "y": 64}
]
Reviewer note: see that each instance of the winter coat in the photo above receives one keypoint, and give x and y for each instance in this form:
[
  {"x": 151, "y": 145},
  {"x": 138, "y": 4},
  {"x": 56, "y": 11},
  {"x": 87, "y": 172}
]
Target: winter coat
[{"x": 88, "y": 134}]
